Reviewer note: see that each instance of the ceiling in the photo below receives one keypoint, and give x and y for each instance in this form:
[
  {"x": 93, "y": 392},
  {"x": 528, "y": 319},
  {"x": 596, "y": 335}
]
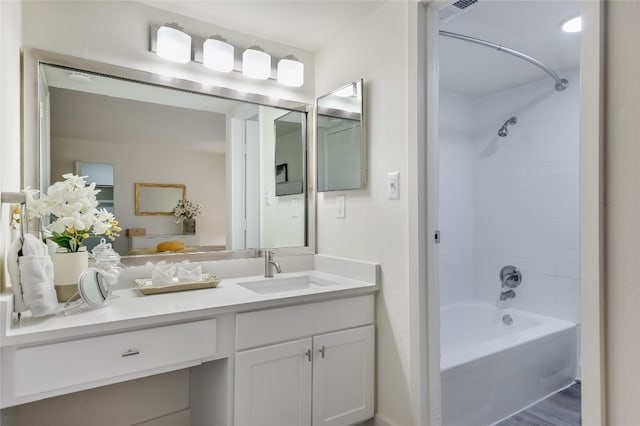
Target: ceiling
[
  {"x": 305, "y": 24},
  {"x": 532, "y": 27}
]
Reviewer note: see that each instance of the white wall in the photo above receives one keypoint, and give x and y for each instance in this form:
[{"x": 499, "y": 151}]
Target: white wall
[
  {"x": 10, "y": 166},
  {"x": 376, "y": 229},
  {"x": 526, "y": 196},
  {"x": 204, "y": 178},
  {"x": 456, "y": 196},
  {"x": 622, "y": 233}
]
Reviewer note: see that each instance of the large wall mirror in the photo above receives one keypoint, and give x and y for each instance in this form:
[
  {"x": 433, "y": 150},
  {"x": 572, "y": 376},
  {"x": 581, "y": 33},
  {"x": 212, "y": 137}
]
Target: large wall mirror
[
  {"x": 341, "y": 153},
  {"x": 224, "y": 149}
]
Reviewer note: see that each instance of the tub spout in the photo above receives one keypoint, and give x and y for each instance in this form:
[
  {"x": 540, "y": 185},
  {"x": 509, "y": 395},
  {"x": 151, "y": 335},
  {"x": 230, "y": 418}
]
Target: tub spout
[{"x": 506, "y": 295}]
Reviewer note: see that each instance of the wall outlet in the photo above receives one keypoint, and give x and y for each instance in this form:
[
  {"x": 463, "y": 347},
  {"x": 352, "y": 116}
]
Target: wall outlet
[
  {"x": 393, "y": 185},
  {"x": 341, "y": 206}
]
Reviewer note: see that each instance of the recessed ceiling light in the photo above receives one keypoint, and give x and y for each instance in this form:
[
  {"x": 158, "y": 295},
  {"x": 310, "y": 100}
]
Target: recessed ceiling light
[{"x": 573, "y": 25}]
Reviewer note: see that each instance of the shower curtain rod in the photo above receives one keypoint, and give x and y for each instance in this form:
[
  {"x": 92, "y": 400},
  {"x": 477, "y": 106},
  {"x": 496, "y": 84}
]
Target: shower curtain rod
[{"x": 561, "y": 83}]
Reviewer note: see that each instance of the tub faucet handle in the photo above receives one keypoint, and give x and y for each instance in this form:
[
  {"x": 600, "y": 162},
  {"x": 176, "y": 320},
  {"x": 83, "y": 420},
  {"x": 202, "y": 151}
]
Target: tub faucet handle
[{"x": 510, "y": 276}]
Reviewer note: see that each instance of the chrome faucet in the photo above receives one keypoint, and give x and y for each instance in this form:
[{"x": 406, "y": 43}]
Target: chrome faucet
[
  {"x": 269, "y": 264},
  {"x": 506, "y": 295}
]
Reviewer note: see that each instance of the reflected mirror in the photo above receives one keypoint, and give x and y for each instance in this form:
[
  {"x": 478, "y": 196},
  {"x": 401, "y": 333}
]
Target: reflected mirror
[
  {"x": 158, "y": 198},
  {"x": 226, "y": 151},
  {"x": 93, "y": 287},
  {"x": 289, "y": 148},
  {"x": 340, "y": 140}
]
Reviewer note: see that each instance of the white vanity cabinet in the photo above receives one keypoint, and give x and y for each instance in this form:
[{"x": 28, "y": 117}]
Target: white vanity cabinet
[
  {"x": 62, "y": 367},
  {"x": 322, "y": 375}
]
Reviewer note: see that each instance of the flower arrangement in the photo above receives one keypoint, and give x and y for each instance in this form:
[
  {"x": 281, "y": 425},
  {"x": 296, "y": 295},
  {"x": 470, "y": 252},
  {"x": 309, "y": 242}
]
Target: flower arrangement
[
  {"x": 186, "y": 209},
  {"x": 74, "y": 206}
]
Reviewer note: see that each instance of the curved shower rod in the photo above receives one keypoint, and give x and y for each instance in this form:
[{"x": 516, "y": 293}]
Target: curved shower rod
[{"x": 561, "y": 83}]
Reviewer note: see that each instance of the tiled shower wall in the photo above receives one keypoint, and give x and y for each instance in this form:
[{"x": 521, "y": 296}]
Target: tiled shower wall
[
  {"x": 525, "y": 197},
  {"x": 456, "y": 197}
]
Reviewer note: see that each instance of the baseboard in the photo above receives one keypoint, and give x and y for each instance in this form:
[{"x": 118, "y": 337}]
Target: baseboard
[
  {"x": 376, "y": 421},
  {"x": 179, "y": 418}
]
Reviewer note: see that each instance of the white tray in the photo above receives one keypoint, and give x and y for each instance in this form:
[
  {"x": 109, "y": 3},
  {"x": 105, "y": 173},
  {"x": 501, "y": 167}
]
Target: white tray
[{"x": 146, "y": 287}]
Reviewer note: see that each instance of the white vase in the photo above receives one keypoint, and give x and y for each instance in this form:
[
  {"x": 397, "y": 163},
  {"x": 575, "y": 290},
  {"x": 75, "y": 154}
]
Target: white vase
[{"x": 67, "y": 268}]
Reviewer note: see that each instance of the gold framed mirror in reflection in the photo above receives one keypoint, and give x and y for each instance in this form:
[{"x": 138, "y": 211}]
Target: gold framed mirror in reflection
[{"x": 158, "y": 199}]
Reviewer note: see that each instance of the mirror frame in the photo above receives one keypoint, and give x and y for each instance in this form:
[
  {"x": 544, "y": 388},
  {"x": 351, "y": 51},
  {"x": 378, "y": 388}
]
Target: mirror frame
[
  {"x": 34, "y": 151},
  {"x": 138, "y": 185}
]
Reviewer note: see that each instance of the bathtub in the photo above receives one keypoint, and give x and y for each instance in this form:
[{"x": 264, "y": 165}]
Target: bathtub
[{"x": 491, "y": 370}]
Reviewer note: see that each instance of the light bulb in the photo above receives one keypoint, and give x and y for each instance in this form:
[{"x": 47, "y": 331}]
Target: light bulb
[
  {"x": 217, "y": 54},
  {"x": 290, "y": 71},
  {"x": 173, "y": 44},
  {"x": 256, "y": 63}
]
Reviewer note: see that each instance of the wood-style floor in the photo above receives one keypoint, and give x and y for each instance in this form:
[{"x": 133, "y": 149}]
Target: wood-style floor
[{"x": 560, "y": 409}]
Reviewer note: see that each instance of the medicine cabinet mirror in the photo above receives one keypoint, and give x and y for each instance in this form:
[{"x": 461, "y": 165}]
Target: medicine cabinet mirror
[
  {"x": 341, "y": 154},
  {"x": 223, "y": 144}
]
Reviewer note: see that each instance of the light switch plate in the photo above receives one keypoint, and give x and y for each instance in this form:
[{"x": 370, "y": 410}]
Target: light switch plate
[
  {"x": 393, "y": 185},
  {"x": 341, "y": 206}
]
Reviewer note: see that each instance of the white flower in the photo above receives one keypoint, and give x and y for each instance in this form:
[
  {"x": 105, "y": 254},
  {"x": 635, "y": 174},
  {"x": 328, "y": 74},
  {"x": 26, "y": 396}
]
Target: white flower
[{"x": 74, "y": 205}]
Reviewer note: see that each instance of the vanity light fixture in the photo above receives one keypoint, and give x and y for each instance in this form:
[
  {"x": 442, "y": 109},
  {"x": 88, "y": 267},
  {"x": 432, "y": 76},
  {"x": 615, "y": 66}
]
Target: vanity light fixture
[
  {"x": 173, "y": 44},
  {"x": 256, "y": 63},
  {"x": 573, "y": 25},
  {"x": 290, "y": 71},
  {"x": 169, "y": 41},
  {"x": 217, "y": 54}
]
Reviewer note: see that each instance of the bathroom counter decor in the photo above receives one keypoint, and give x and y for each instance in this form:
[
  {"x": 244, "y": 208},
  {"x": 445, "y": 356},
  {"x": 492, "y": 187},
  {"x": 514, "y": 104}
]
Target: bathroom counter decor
[{"x": 146, "y": 287}]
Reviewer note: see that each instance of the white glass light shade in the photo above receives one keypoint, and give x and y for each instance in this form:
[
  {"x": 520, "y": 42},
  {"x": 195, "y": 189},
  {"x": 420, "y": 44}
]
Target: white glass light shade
[
  {"x": 218, "y": 55},
  {"x": 256, "y": 63},
  {"x": 290, "y": 72},
  {"x": 173, "y": 44}
]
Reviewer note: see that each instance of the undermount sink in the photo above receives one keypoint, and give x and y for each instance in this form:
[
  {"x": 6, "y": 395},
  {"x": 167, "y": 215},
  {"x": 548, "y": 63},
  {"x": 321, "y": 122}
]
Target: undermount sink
[{"x": 282, "y": 285}]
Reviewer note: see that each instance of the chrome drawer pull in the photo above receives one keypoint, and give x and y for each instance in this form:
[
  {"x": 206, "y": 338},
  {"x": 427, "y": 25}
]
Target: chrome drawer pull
[{"x": 131, "y": 352}]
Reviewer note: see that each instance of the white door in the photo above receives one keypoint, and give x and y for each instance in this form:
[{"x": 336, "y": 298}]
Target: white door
[
  {"x": 343, "y": 377},
  {"x": 273, "y": 385}
]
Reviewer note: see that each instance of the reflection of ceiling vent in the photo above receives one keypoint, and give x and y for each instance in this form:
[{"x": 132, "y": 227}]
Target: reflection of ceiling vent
[{"x": 450, "y": 11}]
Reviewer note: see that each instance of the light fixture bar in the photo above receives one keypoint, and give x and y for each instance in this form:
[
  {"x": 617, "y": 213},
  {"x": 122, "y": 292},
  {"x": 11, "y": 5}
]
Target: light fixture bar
[{"x": 292, "y": 69}]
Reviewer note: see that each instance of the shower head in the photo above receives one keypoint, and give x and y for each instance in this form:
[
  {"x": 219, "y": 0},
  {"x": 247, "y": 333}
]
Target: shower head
[{"x": 502, "y": 131}]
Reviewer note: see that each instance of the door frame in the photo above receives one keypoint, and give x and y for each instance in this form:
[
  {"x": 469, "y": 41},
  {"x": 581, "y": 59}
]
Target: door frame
[{"x": 425, "y": 357}]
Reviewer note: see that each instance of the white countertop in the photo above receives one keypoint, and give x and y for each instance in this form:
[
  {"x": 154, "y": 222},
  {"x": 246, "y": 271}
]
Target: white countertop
[{"x": 132, "y": 309}]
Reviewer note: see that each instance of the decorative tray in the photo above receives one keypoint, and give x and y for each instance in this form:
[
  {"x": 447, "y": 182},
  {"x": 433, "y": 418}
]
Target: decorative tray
[{"x": 146, "y": 287}]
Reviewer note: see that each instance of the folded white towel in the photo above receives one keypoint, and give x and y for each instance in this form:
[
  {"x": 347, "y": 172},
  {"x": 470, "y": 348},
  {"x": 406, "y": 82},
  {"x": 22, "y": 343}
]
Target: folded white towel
[
  {"x": 163, "y": 275},
  {"x": 189, "y": 274},
  {"x": 36, "y": 275},
  {"x": 14, "y": 274}
]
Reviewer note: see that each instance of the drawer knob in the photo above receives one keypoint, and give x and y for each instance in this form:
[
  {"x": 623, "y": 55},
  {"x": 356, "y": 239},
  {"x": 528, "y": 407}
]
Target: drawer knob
[{"x": 130, "y": 352}]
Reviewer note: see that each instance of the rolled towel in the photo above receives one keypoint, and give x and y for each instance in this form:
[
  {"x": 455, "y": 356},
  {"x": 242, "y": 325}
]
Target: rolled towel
[
  {"x": 189, "y": 274},
  {"x": 36, "y": 275}
]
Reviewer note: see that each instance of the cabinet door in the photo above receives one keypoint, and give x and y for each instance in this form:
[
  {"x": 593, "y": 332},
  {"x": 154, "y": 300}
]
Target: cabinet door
[
  {"x": 273, "y": 385},
  {"x": 343, "y": 372}
]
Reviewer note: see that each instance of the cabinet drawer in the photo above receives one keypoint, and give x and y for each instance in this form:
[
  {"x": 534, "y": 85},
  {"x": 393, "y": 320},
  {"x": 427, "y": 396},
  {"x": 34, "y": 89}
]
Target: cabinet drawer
[
  {"x": 293, "y": 322},
  {"x": 59, "y": 365}
]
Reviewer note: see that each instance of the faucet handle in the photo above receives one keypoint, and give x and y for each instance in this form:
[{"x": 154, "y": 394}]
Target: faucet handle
[{"x": 510, "y": 276}]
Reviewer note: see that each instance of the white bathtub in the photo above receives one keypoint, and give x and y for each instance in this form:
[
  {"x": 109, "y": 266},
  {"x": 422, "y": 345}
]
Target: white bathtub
[{"x": 491, "y": 371}]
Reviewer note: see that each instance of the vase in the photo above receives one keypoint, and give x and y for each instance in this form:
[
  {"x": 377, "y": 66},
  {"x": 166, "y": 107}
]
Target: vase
[
  {"x": 189, "y": 226},
  {"x": 67, "y": 268}
]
